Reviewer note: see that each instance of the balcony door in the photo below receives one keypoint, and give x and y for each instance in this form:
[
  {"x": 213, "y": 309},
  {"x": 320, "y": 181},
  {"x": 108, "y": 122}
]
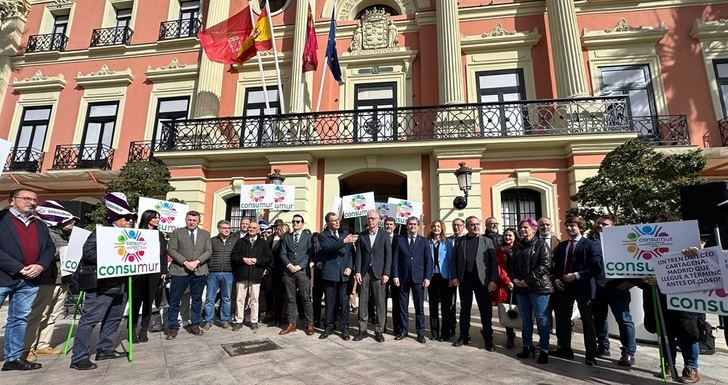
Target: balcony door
[
  {"x": 28, "y": 151},
  {"x": 634, "y": 81},
  {"x": 98, "y": 135},
  {"x": 372, "y": 124},
  {"x": 256, "y": 131},
  {"x": 123, "y": 23},
  {"x": 188, "y": 13},
  {"x": 501, "y": 87},
  {"x": 721, "y": 75},
  {"x": 60, "y": 29},
  {"x": 169, "y": 110}
]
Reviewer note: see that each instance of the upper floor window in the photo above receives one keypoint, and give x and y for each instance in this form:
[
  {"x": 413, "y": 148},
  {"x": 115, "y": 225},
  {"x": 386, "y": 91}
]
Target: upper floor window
[
  {"x": 33, "y": 128},
  {"x": 169, "y": 109},
  {"x": 189, "y": 10},
  {"x": 721, "y": 75},
  {"x": 257, "y": 131},
  {"x": 501, "y": 87},
  {"x": 123, "y": 17},
  {"x": 60, "y": 24},
  {"x": 371, "y": 123},
  {"x": 98, "y": 133},
  {"x": 634, "y": 81}
]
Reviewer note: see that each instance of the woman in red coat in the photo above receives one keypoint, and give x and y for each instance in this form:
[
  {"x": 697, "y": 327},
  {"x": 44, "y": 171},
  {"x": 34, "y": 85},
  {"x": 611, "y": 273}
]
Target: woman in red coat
[{"x": 503, "y": 293}]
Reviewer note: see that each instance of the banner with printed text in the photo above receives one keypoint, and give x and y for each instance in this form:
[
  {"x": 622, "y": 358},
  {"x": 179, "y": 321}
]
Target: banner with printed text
[
  {"x": 710, "y": 301},
  {"x": 628, "y": 249},
  {"x": 123, "y": 252},
  {"x": 171, "y": 214},
  {"x": 357, "y": 205},
  {"x": 74, "y": 250},
  {"x": 404, "y": 209},
  {"x": 267, "y": 196},
  {"x": 386, "y": 210},
  {"x": 4, "y": 152},
  {"x": 677, "y": 273}
]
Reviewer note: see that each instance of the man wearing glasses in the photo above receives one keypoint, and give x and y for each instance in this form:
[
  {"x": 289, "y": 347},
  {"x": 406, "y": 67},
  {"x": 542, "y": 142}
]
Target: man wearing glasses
[
  {"x": 296, "y": 252},
  {"x": 491, "y": 231},
  {"x": 26, "y": 249},
  {"x": 474, "y": 270},
  {"x": 220, "y": 277},
  {"x": 371, "y": 270}
]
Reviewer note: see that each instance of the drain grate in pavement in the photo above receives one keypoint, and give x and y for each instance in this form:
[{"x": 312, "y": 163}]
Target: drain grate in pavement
[{"x": 249, "y": 347}]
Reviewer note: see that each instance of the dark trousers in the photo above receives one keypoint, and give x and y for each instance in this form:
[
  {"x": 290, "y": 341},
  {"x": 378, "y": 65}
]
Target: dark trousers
[
  {"x": 369, "y": 284},
  {"x": 418, "y": 296},
  {"x": 392, "y": 292},
  {"x": 298, "y": 281},
  {"x": 563, "y": 302},
  {"x": 177, "y": 290},
  {"x": 440, "y": 295},
  {"x": 318, "y": 294},
  {"x": 144, "y": 290},
  {"x": 471, "y": 285},
  {"x": 107, "y": 309},
  {"x": 337, "y": 305},
  {"x": 618, "y": 300},
  {"x": 278, "y": 294}
]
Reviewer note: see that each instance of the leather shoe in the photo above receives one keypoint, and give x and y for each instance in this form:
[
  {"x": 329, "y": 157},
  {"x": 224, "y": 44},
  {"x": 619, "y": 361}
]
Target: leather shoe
[
  {"x": 237, "y": 326},
  {"x": 309, "y": 330},
  {"x": 196, "y": 330},
  {"x": 435, "y": 336},
  {"x": 325, "y": 334},
  {"x": 460, "y": 342},
  {"x": 361, "y": 336},
  {"x": 345, "y": 336},
  {"x": 20, "y": 364},
  {"x": 490, "y": 348},
  {"x": 290, "y": 328},
  {"x": 626, "y": 361},
  {"x": 563, "y": 353},
  {"x": 84, "y": 364},
  {"x": 590, "y": 361},
  {"x": 421, "y": 339},
  {"x": 378, "y": 337},
  {"x": 400, "y": 336},
  {"x": 110, "y": 355},
  {"x": 603, "y": 353},
  {"x": 171, "y": 335}
]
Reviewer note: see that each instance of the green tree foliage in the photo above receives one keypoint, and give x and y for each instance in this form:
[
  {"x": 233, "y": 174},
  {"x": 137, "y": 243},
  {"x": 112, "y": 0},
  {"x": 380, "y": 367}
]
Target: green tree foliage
[
  {"x": 136, "y": 179},
  {"x": 635, "y": 181}
]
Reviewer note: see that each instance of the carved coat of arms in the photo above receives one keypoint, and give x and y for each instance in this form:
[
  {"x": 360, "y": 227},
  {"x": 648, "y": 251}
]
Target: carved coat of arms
[{"x": 376, "y": 31}]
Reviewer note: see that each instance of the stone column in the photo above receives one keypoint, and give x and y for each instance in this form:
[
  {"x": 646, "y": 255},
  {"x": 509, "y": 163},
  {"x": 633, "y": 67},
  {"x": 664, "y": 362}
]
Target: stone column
[
  {"x": 209, "y": 82},
  {"x": 298, "y": 85},
  {"x": 566, "y": 47},
  {"x": 13, "y": 15},
  {"x": 448, "y": 46}
]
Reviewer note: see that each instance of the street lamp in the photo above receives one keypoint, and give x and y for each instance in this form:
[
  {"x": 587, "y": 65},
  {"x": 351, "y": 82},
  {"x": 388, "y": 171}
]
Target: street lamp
[
  {"x": 463, "y": 174},
  {"x": 276, "y": 178}
]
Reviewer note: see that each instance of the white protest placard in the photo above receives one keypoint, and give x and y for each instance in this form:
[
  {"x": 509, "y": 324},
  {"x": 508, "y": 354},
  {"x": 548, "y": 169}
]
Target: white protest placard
[
  {"x": 74, "y": 250},
  {"x": 357, "y": 205},
  {"x": 62, "y": 253},
  {"x": 386, "y": 210},
  {"x": 267, "y": 196},
  {"x": 677, "y": 273},
  {"x": 4, "y": 152},
  {"x": 628, "y": 249},
  {"x": 122, "y": 252},
  {"x": 723, "y": 264},
  {"x": 404, "y": 209},
  {"x": 171, "y": 214},
  {"x": 711, "y": 301}
]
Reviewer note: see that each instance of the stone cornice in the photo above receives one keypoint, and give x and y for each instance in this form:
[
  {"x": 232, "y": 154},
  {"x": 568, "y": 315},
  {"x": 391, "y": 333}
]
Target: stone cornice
[
  {"x": 105, "y": 78},
  {"x": 709, "y": 30},
  {"x": 39, "y": 83},
  {"x": 174, "y": 71},
  {"x": 622, "y": 34},
  {"x": 500, "y": 40}
]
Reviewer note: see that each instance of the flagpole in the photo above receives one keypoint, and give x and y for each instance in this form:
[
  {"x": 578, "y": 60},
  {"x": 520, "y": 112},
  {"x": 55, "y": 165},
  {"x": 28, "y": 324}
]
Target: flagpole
[
  {"x": 321, "y": 85},
  {"x": 260, "y": 62},
  {"x": 281, "y": 99}
]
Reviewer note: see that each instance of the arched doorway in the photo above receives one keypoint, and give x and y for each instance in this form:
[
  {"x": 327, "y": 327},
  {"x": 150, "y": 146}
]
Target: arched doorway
[{"x": 384, "y": 185}]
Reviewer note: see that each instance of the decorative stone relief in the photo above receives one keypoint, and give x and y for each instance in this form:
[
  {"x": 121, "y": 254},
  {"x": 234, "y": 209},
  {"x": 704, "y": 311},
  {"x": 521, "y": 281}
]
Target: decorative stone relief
[
  {"x": 375, "y": 33},
  {"x": 623, "y": 26},
  {"x": 13, "y": 9},
  {"x": 39, "y": 82},
  {"x": 498, "y": 31},
  {"x": 345, "y": 9},
  {"x": 171, "y": 72},
  {"x": 105, "y": 77},
  {"x": 59, "y": 4},
  {"x": 37, "y": 77}
]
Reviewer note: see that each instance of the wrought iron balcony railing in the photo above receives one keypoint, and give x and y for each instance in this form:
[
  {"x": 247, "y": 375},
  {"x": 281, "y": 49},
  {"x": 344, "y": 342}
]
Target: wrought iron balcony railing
[
  {"x": 662, "y": 130},
  {"x": 79, "y": 156},
  {"x": 47, "y": 42},
  {"x": 723, "y": 128},
  {"x": 24, "y": 159},
  {"x": 111, "y": 36},
  {"x": 140, "y": 150},
  {"x": 464, "y": 121},
  {"x": 178, "y": 28}
]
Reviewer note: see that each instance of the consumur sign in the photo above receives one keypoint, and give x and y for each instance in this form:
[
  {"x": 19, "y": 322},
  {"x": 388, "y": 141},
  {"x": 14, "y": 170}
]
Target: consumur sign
[{"x": 125, "y": 252}]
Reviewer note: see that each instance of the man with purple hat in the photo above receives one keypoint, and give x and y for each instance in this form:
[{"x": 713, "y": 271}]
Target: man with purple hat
[
  {"x": 26, "y": 250},
  {"x": 105, "y": 304},
  {"x": 48, "y": 305}
]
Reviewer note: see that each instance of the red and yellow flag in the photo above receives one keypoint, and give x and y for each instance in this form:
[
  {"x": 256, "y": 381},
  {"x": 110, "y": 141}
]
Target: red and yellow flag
[
  {"x": 310, "y": 59},
  {"x": 236, "y": 39}
]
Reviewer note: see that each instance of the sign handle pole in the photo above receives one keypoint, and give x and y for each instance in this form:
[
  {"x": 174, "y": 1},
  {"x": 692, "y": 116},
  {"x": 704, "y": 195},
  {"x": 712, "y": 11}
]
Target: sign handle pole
[
  {"x": 67, "y": 344},
  {"x": 130, "y": 356},
  {"x": 664, "y": 343}
]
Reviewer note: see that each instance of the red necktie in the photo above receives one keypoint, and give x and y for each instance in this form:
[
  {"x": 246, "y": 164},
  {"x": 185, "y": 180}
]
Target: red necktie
[{"x": 569, "y": 268}]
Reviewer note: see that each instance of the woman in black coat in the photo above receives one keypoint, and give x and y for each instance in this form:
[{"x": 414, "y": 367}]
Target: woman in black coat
[{"x": 145, "y": 286}]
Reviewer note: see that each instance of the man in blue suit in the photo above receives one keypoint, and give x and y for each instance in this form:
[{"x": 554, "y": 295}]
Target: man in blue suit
[
  {"x": 412, "y": 270},
  {"x": 576, "y": 263},
  {"x": 26, "y": 250},
  {"x": 335, "y": 261}
]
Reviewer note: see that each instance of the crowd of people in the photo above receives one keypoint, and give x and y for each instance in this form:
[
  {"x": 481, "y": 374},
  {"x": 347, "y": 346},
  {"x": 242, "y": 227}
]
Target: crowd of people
[{"x": 290, "y": 271}]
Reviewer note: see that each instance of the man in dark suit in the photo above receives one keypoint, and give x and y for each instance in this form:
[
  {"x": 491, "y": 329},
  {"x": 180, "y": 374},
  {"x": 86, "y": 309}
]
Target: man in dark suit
[
  {"x": 575, "y": 264},
  {"x": 190, "y": 247},
  {"x": 296, "y": 252},
  {"x": 335, "y": 261},
  {"x": 412, "y": 271},
  {"x": 26, "y": 250},
  {"x": 545, "y": 233},
  {"x": 474, "y": 270},
  {"x": 372, "y": 269},
  {"x": 250, "y": 257}
]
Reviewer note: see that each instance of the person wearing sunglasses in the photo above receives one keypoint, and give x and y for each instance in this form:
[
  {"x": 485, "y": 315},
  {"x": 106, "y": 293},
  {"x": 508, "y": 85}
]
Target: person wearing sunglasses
[
  {"x": 26, "y": 250},
  {"x": 295, "y": 254}
]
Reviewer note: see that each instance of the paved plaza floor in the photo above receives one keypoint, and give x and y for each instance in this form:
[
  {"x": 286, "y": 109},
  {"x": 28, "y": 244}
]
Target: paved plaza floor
[{"x": 305, "y": 359}]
